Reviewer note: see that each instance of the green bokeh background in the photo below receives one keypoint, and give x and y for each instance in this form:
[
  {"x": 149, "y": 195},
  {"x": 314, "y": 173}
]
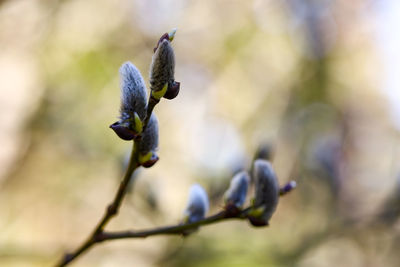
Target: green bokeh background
[{"x": 301, "y": 76}]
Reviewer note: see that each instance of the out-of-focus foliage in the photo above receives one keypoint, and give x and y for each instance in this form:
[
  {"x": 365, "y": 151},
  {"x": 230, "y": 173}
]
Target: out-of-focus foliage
[{"x": 305, "y": 77}]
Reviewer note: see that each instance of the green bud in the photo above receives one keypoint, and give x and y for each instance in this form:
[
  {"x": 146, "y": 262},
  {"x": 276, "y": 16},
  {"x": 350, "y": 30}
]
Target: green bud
[{"x": 159, "y": 94}]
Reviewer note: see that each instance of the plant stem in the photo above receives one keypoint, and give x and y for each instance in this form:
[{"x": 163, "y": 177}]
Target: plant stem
[
  {"x": 181, "y": 229},
  {"x": 151, "y": 104},
  {"x": 111, "y": 211},
  {"x": 113, "y": 207}
]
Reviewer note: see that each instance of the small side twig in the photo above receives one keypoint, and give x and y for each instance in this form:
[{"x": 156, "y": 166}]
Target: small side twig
[{"x": 180, "y": 229}]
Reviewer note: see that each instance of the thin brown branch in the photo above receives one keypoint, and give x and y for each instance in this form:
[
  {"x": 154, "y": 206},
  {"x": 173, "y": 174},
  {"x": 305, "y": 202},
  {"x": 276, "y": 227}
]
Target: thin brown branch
[
  {"x": 151, "y": 104},
  {"x": 111, "y": 211},
  {"x": 113, "y": 207},
  {"x": 181, "y": 229}
]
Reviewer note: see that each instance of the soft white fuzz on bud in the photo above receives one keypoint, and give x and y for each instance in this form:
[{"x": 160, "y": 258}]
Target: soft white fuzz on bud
[
  {"x": 133, "y": 103},
  {"x": 197, "y": 206},
  {"x": 266, "y": 193},
  {"x": 235, "y": 196}
]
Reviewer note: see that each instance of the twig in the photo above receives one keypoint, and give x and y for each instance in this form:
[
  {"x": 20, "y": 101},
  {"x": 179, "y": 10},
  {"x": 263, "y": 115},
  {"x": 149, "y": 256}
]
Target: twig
[
  {"x": 151, "y": 104},
  {"x": 99, "y": 235},
  {"x": 113, "y": 207},
  {"x": 111, "y": 210},
  {"x": 180, "y": 229}
]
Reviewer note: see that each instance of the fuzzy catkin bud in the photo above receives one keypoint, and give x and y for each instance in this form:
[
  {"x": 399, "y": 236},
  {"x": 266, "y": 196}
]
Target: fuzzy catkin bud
[
  {"x": 288, "y": 187},
  {"x": 266, "y": 193},
  {"x": 162, "y": 69},
  {"x": 265, "y": 151},
  {"x": 235, "y": 196},
  {"x": 133, "y": 102},
  {"x": 133, "y": 91},
  {"x": 149, "y": 143},
  {"x": 197, "y": 206}
]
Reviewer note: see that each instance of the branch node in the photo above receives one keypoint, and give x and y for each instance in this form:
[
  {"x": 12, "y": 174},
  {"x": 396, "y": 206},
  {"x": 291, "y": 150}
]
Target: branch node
[
  {"x": 99, "y": 237},
  {"x": 112, "y": 210}
]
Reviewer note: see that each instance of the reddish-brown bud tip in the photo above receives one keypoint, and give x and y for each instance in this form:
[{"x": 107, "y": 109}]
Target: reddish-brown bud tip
[
  {"x": 173, "y": 90},
  {"x": 258, "y": 222},
  {"x": 165, "y": 36},
  {"x": 122, "y": 131}
]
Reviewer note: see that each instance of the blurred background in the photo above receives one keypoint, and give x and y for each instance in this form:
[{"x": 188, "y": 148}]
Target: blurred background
[{"x": 311, "y": 84}]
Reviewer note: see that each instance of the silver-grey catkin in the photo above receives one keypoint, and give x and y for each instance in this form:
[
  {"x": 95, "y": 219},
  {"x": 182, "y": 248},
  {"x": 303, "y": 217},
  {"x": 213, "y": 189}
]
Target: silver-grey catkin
[
  {"x": 133, "y": 92},
  {"x": 162, "y": 69},
  {"x": 198, "y": 205},
  {"x": 237, "y": 192},
  {"x": 266, "y": 188},
  {"x": 149, "y": 142}
]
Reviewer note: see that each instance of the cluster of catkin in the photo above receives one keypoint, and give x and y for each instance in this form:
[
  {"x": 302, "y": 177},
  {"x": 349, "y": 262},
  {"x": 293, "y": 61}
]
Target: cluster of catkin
[{"x": 133, "y": 124}]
